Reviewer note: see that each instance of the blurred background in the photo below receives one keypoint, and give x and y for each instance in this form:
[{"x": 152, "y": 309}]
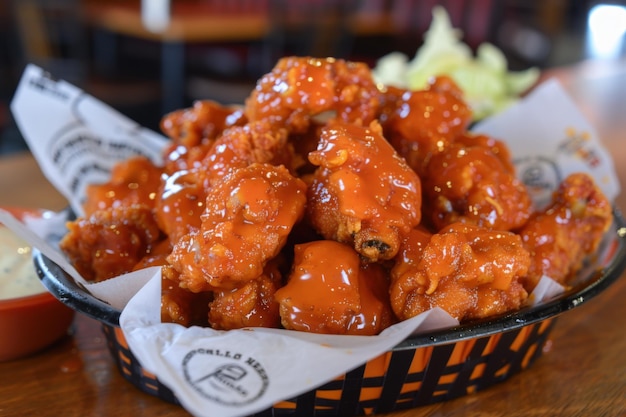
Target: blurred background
[{"x": 146, "y": 61}]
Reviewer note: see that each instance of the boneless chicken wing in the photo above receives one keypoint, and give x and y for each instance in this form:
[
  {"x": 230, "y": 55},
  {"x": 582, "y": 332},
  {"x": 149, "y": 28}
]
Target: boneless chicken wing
[
  {"x": 560, "y": 237},
  {"x": 181, "y": 197},
  {"x": 469, "y": 271},
  {"x": 178, "y": 305},
  {"x": 240, "y": 146},
  {"x": 179, "y": 203},
  {"x": 251, "y": 305},
  {"x": 330, "y": 291},
  {"x": 247, "y": 220},
  {"x": 133, "y": 181},
  {"x": 422, "y": 123},
  {"x": 299, "y": 88},
  {"x": 110, "y": 242},
  {"x": 496, "y": 147},
  {"x": 362, "y": 192},
  {"x": 193, "y": 130},
  {"x": 471, "y": 184}
]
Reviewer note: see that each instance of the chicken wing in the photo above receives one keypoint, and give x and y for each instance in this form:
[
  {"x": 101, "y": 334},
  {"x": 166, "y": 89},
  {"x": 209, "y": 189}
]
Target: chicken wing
[
  {"x": 469, "y": 271},
  {"x": 193, "y": 130},
  {"x": 110, "y": 242},
  {"x": 362, "y": 192},
  {"x": 471, "y": 184},
  {"x": 425, "y": 122},
  {"x": 299, "y": 88},
  {"x": 247, "y": 220},
  {"x": 560, "y": 237},
  {"x": 251, "y": 305},
  {"x": 331, "y": 291},
  {"x": 132, "y": 181}
]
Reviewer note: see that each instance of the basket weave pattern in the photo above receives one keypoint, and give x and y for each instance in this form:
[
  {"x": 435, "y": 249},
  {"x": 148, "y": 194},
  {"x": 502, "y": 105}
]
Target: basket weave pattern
[{"x": 398, "y": 379}]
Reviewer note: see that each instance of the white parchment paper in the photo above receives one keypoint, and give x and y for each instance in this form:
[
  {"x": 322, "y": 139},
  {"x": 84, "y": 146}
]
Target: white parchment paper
[{"x": 77, "y": 139}]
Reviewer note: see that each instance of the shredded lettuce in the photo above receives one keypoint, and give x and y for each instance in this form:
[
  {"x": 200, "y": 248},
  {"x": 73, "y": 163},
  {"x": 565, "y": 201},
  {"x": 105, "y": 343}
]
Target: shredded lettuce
[{"x": 484, "y": 77}]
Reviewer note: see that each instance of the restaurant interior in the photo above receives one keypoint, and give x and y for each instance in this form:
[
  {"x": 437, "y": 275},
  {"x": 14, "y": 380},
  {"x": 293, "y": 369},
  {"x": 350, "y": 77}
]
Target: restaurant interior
[{"x": 104, "y": 46}]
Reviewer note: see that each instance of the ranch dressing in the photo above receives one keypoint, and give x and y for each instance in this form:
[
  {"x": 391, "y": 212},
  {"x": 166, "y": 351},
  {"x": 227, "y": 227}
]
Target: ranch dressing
[{"x": 17, "y": 274}]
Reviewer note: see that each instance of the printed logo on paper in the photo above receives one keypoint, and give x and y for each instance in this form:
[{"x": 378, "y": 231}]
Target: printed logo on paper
[
  {"x": 578, "y": 144},
  {"x": 47, "y": 84},
  {"x": 225, "y": 377},
  {"x": 541, "y": 176}
]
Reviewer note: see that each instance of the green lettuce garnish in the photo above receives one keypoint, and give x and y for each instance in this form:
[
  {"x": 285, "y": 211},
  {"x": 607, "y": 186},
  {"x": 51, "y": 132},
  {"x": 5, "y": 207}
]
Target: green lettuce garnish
[{"x": 487, "y": 84}]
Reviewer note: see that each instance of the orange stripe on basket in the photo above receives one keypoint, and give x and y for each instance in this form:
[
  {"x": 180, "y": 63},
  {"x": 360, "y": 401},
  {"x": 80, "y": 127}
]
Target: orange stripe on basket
[
  {"x": 123, "y": 357},
  {"x": 491, "y": 344},
  {"x": 530, "y": 353},
  {"x": 331, "y": 394},
  {"x": 502, "y": 371},
  {"x": 152, "y": 387},
  {"x": 522, "y": 337},
  {"x": 478, "y": 371},
  {"x": 147, "y": 374},
  {"x": 121, "y": 339},
  {"x": 421, "y": 358},
  {"x": 285, "y": 405},
  {"x": 378, "y": 366},
  {"x": 411, "y": 387},
  {"x": 370, "y": 393},
  {"x": 461, "y": 351},
  {"x": 545, "y": 325}
]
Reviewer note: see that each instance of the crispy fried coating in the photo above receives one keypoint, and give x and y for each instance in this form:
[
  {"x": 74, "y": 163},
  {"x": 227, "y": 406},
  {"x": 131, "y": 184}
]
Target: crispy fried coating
[
  {"x": 330, "y": 291},
  {"x": 110, "y": 242},
  {"x": 178, "y": 305},
  {"x": 495, "y": 146},
  {"x": 469, "y": 271},
  {"x": 193, "y": 130},
  {"x": 241, "y": 146},
  {"x": 182, "y": 195},
  {"x": 133, "y": 181},
  {"x": 560, "y": 237},
  {"x": 426, "y": 122},
  {"x": 299, "y": 88},
  {"x": 181, "y": 306},
  {"x": 247, "y": 220},
  {"x": 470, "y": 184},
  {"x": 362, "y": 193},
  {"x": 251, "y": 305}
]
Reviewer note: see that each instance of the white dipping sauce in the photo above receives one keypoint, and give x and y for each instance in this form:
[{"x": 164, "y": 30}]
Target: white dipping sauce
[{"x": 17, "y": 273}]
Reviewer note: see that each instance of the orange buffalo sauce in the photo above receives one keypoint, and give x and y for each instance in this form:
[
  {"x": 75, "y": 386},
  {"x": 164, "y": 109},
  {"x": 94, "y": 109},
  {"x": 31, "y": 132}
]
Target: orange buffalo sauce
[{"x": 329, "y": 291}]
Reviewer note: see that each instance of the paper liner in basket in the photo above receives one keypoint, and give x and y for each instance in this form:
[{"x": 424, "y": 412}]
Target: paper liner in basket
[{"x": 77, "y": 139}]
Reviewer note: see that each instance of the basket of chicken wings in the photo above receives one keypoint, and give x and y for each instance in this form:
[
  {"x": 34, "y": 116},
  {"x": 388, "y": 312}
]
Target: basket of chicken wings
[{"x": 329, "y": 205}]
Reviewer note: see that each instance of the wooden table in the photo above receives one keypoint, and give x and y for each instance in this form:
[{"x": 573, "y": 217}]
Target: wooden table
[{"x": 582, "y": 372}]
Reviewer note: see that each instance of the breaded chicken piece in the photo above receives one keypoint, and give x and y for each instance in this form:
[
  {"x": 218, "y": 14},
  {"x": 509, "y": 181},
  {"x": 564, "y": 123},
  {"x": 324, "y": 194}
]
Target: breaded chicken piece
[
  {"x": 560, "y": 237},
  {"x": 133, "y": 181},
  {"x": 362, "y": 192},
  {"x": 469, "y": 271},
  {"x": 251, "y": 305},
  {"x": 110, "y": 242},
  {"x": 193, "y": 130},
  {"x": 422, "y": 123},
  {"x": 299, "y": 88},
  {"x": 471, "y": 184},
  {"x": 247, "y": 220}
]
